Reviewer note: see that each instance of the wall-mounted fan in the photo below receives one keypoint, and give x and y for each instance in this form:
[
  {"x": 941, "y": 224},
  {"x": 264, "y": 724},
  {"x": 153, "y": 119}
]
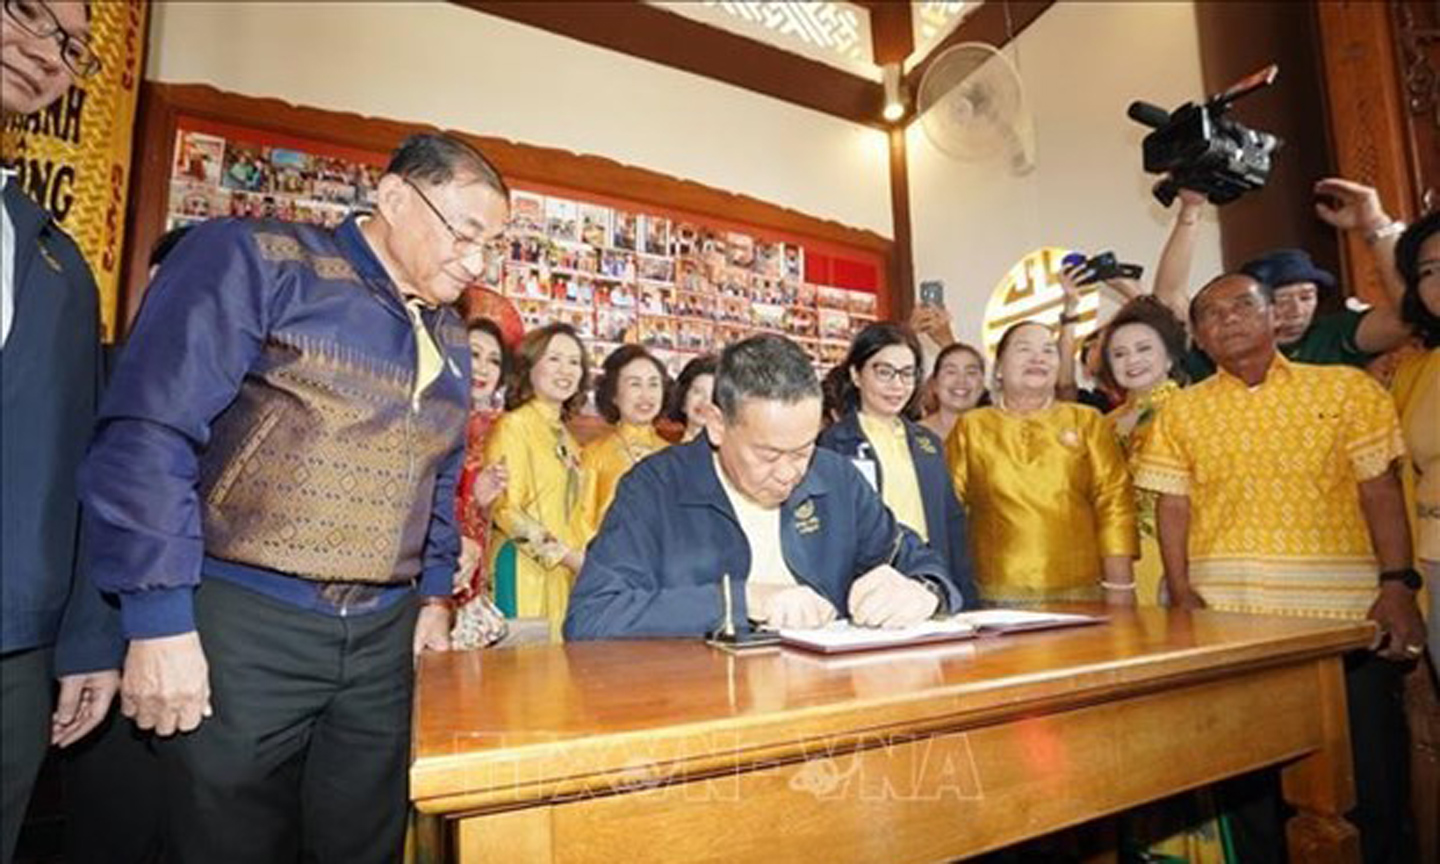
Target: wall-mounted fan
[{"x": 971, "y": 104}]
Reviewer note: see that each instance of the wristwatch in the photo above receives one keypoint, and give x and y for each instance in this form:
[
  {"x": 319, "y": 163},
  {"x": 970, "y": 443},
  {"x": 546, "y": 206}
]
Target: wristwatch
[{"x": 1409, "y": 577}]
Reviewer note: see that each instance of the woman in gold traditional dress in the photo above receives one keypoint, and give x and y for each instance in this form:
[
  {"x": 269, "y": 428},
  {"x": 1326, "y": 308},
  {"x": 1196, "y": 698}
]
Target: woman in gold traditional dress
[
  {"x": 1142, "y": 353},
  {"x": 1052, "y": 511},
  {"x": 630, "y": 394},
  {"x": 537, "y": 514},
  {"x": 1417, "y": 396}
]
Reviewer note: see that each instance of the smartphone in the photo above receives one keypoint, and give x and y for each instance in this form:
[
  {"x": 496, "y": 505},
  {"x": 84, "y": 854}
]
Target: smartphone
[{"x": 932, "y": 293}]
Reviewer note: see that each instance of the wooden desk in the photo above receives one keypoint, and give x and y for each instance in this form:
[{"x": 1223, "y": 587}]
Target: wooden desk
[{"x": 675, "y": 752}]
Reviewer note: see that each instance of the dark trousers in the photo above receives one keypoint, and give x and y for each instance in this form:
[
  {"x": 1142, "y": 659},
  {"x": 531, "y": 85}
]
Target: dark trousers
[
  {"x": 27, "y": 692},
  {"x": 1380, "y": 753},
  {"x": 307, "y": 750},
  {"x": 113, "y": 796}
]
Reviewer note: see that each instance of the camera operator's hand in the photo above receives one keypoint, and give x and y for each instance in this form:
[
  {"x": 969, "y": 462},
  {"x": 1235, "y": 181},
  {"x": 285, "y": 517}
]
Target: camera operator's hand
[
  {"x": 1191, "y": 200},
  {"x": 1349, "y": 206}
]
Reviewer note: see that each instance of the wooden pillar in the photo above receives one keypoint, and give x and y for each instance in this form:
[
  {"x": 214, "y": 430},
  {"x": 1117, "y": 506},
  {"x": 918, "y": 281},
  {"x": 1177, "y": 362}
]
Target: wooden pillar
[
  {"x": 1368, "y": 119},
  {"x": 1237, "y": 38}
]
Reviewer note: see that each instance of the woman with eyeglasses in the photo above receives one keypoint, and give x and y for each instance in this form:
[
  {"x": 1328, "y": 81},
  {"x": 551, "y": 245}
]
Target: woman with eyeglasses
[
  {"x": 877, "y": 398},
  {"x": 630, "y": 394},
  {"x": 537, "y": 515},
  {"x": 1045, "y": 484}
]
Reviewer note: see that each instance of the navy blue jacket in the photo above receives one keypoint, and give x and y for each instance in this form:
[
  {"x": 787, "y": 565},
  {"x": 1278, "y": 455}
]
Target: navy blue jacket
[
  {"x": 208, "y": 317},
  {"x": 944, "y": 515},
  {"x": 655, "y": 568},
  {"x": 49, "y": 381}
]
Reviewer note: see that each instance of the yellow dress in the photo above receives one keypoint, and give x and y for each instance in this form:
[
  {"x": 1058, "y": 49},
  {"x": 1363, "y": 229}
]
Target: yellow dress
[
  {"x": 1417, "y": 397},
  {"x": 603, "y": 462},
  {"x": 1048, "y": 496},
  {"x": 1149, "y": 569},
  {"x": 538, "y": 510}
]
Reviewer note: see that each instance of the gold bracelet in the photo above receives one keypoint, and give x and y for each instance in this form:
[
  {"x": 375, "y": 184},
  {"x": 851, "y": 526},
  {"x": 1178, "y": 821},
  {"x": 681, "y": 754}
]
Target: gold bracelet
[{"x": 1117, "y": 586}]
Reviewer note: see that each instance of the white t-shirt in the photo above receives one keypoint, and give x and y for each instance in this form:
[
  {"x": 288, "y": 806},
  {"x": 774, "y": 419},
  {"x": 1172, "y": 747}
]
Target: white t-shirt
[
  {"x": 7, "y": 264},
  {"x": 761, "y": 527}
]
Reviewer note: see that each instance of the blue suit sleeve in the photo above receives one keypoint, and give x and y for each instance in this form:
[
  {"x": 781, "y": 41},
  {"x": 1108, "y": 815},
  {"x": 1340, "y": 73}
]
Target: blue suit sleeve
[
  {"x": 622, "y": 592},
  {"x": 442, "y": 542},
  {"x": 89, "y": 638},
  {"x": 200, "y": 329}
]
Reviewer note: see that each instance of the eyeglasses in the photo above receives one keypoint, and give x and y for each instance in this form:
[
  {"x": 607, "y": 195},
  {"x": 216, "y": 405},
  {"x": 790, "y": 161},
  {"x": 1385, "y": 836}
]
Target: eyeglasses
[
  {"x": 885, "y": 373},
  {"x": 464, "y": 245},
  {"x": 38, "y": 19}
]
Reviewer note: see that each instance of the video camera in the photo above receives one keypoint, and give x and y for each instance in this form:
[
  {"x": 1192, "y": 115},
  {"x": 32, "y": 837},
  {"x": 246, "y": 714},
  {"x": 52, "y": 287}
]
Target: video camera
[{"x": 1197, "y": 147}]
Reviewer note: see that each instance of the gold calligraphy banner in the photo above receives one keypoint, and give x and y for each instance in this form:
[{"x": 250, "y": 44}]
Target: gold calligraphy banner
[{"x": 73, "y": 158}]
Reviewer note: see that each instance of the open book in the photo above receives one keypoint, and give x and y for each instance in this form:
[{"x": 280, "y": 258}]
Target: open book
[{"x": 843, "y": 637}]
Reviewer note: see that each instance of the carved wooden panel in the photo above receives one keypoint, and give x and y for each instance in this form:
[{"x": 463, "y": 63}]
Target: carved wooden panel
[
  {"x": 1417, "y": 35},
  {"x": 1382, "y": 67}
]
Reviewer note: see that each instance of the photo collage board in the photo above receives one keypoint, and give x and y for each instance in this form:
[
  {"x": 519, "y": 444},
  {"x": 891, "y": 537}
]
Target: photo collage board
[{"x": 682, "y": 286}]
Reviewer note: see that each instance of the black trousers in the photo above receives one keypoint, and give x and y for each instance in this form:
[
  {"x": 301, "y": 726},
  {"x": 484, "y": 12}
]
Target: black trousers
[
  {"x": 27, "y": 693},
  {"x": 1380, "y": 753},
  {"x": 114, "y": 811},
  {"x": 306, "y": 754}
]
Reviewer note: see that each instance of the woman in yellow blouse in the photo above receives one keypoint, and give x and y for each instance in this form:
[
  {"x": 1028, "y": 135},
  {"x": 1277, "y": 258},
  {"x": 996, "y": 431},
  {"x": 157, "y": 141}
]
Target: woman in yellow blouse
[
  {"x": 537, "y": 514},
  {"x": 1052, "y": 511},
  {"x": 1417, "y": 395},
  {"x": 630, "y": 393},
  {"x": 1142, "y": 352}
]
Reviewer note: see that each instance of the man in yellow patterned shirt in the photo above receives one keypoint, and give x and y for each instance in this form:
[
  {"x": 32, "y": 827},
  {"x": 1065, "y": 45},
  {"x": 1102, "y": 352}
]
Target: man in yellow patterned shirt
[{"x": 1279, "y": 495}]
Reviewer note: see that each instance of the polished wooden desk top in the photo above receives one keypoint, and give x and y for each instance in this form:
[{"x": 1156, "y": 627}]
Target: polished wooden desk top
[{"x": 510, "y": 725}]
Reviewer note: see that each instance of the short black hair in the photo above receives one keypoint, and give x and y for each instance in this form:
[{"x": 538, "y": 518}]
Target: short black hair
[
  {"x": 437, "y": 159},
  {"x": 698, "y": 367},
  {"x": 874, "y": 338},
  {"x": 1266, "y": 290},
  {"x": 609, "y": 382},
  {"x": 767, "y": 367},
  {"x": 166, "y": 244},
  {"x": 1407, "y": 260}
]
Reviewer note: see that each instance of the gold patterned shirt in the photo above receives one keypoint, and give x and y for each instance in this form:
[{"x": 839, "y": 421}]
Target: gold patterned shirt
[{"x": 1272, "y": 473}]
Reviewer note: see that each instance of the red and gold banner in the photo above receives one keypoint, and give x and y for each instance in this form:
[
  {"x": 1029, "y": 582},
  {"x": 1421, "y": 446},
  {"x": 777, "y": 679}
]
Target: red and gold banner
[{"x": 74, "y": 156}]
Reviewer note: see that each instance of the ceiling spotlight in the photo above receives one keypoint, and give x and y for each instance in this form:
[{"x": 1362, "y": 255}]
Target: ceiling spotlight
[{"x": 894, "y": 97}]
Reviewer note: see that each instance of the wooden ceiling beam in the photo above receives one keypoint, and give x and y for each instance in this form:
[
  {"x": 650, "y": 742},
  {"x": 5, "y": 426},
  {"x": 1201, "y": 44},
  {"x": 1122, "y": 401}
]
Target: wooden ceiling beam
[
  {"x": 986, "y": 24},
  {"x": 651, "y": 33},
  {"x": 892, "y": 32}
]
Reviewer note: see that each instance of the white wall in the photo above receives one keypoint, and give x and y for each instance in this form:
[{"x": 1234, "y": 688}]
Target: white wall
[
  {"x": 455, "y": 68},
  {"x": 1082, "y": 64}
]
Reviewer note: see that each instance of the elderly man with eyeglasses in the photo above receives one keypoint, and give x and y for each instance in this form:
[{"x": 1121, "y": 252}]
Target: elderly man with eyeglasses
[
  {"x": 53, "y": 623},
  {"x": 271, "y": 495}
]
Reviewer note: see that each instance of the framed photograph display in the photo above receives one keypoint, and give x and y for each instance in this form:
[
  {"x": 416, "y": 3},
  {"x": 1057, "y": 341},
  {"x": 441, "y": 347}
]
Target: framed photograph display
[{"x": 677, "y": 268}]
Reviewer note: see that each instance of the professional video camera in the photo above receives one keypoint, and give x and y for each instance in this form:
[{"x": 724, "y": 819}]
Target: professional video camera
[{"x": 1197, "y": 147}]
